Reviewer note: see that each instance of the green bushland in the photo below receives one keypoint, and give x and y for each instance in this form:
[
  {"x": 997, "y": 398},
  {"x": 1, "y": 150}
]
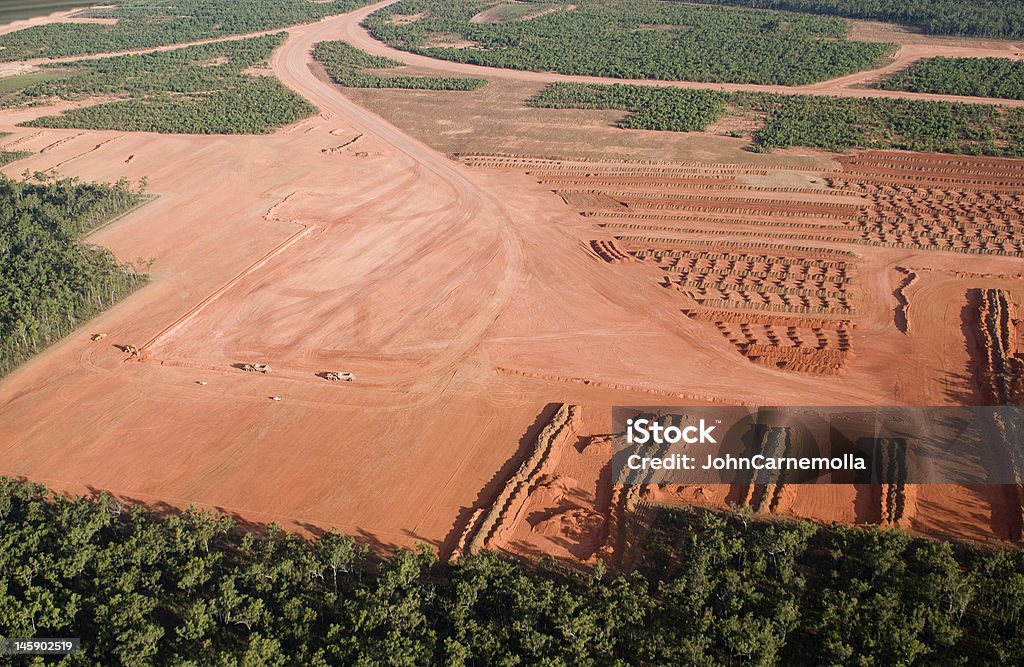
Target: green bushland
[
  {"x": 636, "y": 39},
  {"x": 831, "y": 123},
  {"x": 50, "y": 281},
  {"x": 978, "y": 77},
  {"x": 674, "y": 109},
  {"x": 197, "y": 89},
  {"x": 712, "y": 589},
  {"x": 984, "y": 18},
  {"x": 145, "y": 23},
  {"x": 347, "y": 66},
  {"x": 7, "y": 157}
]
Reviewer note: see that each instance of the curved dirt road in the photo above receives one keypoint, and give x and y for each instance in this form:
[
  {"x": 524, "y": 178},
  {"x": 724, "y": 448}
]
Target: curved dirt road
[{"x": 291, "y": 64}]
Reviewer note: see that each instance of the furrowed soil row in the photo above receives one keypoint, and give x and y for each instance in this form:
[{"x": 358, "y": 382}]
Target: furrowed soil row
[
  {"x": 706, "y": 231},
  {"x": 1001, "y": 372},
  {"x": 814, "y": 346},
  {"x": 777, "y": 210},
  {"x": 702, "y": 398},
  {"x": 500, "y": 517},
  {"x": 765, "y": 490},
  {"x": 654, "y": 184},
  {"x": 811, "y": 255},
  {"x": 525, "y": 163},
  {"x": 897, "y": 499},
  {"x": 703, "y": 231},
  {"x": 632, "y": 198},
  {"x": 610, "y": 252},
  {"x": 685, "y": 216},
  {"x": 934, "y": 163},
  {"x": 901, "y": 315}
]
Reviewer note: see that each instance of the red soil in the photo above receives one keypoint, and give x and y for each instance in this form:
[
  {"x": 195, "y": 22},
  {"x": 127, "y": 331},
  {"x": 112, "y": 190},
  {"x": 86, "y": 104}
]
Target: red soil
[
  {"x": 823, "y": 296},
  {"x": 466, "y": 300}
]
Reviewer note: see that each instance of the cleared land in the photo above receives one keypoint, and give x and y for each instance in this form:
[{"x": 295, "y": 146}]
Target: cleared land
[
  {"x": 471, "y": 300},
  {"x": 851, "y": 273}
]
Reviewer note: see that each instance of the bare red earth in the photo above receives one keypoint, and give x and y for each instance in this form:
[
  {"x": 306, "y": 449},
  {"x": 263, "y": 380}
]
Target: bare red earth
[{"x": 470, "y": 298}]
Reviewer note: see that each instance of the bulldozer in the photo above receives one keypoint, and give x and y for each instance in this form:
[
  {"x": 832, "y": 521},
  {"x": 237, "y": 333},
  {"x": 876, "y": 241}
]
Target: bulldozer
[
  {"x": 335, "y": 376},
  {"x": 257, "y": 368}
]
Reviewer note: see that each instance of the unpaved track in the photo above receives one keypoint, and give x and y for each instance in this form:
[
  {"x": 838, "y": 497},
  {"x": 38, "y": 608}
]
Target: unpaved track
[{"x": 291, "y": 65}]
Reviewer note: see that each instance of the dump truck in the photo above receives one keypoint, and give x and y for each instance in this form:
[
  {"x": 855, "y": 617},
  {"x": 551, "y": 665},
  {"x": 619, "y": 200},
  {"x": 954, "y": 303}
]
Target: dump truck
[
  {"x": 335, "y": 376},
  {"x": 257, "y": 368}
]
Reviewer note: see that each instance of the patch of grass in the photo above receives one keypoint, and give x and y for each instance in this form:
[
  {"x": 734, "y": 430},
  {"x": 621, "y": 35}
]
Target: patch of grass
[
  {"x": 11, "y": 84},
  {"x": 505, "y": 13}
]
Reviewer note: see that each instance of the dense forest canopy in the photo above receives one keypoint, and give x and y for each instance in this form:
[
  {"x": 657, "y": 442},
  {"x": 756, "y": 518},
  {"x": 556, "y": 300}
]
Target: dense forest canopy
[
  {"x": 831, "y": 123},
  {"x": 143, "y": 23},
  {"x": 352, "y": 68},
  {"x": 712, "y": 589},
  {"x": 632, "y": 39},
  {"x": 984, "y": 18},
  {"x": 50, "y": 281},
  {"x": 202, "y": 89},
  {"x": 979, "y": 77}
]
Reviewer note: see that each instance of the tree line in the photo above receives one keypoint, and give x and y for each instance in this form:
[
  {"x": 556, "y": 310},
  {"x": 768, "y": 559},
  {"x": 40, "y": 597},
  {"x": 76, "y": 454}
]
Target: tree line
[
  {"x": 978, "y": 77},
  {"x": 352, "y": 68},
  {"x": 983, "y": 18},
  {"x": 145, "y": 23},
  {"x": 634, "y": 39},
  {"x": 712, "y": 588},
  {"x": 202, "y": 89},
  {"x": 50, "y": 281},
  {"x": 830, "y": 123}
]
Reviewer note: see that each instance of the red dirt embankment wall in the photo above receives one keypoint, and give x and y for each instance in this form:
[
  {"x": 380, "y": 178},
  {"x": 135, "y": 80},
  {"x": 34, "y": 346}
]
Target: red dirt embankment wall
[{"x": 489, "y": 529}]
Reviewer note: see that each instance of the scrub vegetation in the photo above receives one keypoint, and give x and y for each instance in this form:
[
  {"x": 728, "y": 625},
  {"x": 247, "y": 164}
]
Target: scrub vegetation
[
  {"x": 831, "y": 123},
  {"x": 632, "y": 39},
  {"x": 352, "y": 68},
  {"x": 145, "y": 23},
  {"x": 7, "y": 157},
  {"x": 205, "y": 89},
  {"x": 978, "y": 77},
  {"x": 983, "y": 18},
  {"x": 712, "y": 589}
]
